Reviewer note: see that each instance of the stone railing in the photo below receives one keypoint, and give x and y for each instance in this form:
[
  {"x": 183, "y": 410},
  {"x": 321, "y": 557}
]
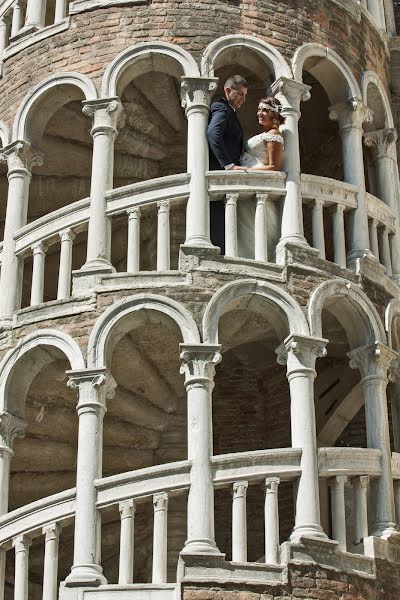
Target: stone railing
[{"x": 235, "y": 472}]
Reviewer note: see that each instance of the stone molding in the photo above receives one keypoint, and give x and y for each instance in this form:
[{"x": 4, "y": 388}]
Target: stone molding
[
  {"x": 299, "y": 353},
  {"x": 196, "y": 93},
  {"x": 21, "y": 157}
]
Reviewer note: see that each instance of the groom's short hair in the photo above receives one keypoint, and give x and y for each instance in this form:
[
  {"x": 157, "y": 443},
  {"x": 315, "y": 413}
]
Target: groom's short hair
[{"x": 235, "y": 81}]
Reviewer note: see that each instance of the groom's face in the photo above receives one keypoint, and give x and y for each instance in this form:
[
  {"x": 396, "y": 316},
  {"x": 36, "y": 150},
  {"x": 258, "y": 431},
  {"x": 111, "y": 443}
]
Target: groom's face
[{"x": 236, "y": 96}]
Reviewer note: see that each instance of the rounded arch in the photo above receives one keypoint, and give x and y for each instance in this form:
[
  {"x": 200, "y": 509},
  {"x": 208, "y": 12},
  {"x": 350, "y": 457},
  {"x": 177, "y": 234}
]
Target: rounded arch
[
  {"x": 110, "y": 324},
  {"x": 354, "y": 311},
  {"x": 271, "y": 55},
  {"x": 13, "y": 390},
  {"x": 281, "y": 302},
  {"x": 392, "y": 312},
  {"x": 153, "y": 56},
  {"x": 45, "y": 99},
  {"x": 336, "y": 77},
  {"x": 4, "y": 134},
  {"x": 371, "y": 78}
]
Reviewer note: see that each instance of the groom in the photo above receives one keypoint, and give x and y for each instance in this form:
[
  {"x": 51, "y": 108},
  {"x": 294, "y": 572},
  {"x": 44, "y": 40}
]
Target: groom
[{"x": 225, "y": 139}]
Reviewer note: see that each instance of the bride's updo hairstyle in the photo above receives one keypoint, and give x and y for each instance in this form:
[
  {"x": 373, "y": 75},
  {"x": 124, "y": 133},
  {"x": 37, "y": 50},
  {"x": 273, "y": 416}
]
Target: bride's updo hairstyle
[{"x": 275, "y": 108}]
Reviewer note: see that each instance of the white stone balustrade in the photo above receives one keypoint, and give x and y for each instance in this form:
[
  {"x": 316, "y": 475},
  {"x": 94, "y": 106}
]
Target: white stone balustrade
[
  {"x": 239, "y": 522},
  {"x": 159, "y": 573}
]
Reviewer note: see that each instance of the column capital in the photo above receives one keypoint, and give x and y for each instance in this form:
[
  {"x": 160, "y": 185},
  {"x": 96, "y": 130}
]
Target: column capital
[
  {"x": 89, "y": 381},
  {"x": 160, "y": 501},
  {"x": 198, "y": 361},
  {"x": 21, "y": 156},
  {"x": 134, "y": 213},
  {"x": 107, "y": 115},
  {"x": 299, "y": 353},
  {"x": 196, "y": 92},
  {"x": 374, "y": 360},
  {"x": 337, "y": 481},
  {"x": 272, "y": 485},
  {"x": 52, "y": 531},
  {"x": 350, "y": 114},
  {"x": 240, "y": 489},
  {"x": 39, "y": 248},
  {"x": 290, "y": 93},
  {"x": 361, "y": 481},
  {"x": 231, "y": 198},
  {"x": 22, "y": 543},
  {"x": 380, "y": 141},
  {"x": 163, "y": 206},
  {"x": 127, "y": 508},
  {"x": 10, "y": 428},
  {"x": 67, "y": 235}
]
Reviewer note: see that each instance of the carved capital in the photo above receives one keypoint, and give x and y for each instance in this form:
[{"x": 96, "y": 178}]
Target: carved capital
[
  {"x": 107, "y": 115},
  {"x": 95, "y": 387},
  {"x": 240, "y": 489},
  {"x": 163, "y": 206},
  {"x": 299, "y": 353},
  {"x": 231, "y": 199},
  {"x": 20, "y": 156},
  {"x": 380, "y": 141},
  {"x": 67, "y": 235},
  {"x": 350, "y": 114},
  {"x": 198, "y": 361},
  {"x": 290, "y": 93},
  {"x": 10, "y": 428},
  {"x": 127, "y": 508},
  {"x": 160, "y": 502},
  {"x": 376, "y": 359},
  {"x": 196, "y": 92},
  {"x": 272, "y": 485},
  {"x": 39, "y": 248}
]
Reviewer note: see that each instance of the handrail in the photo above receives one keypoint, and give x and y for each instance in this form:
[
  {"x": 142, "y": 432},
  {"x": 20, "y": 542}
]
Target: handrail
[
  {"x": 349, "y": 461},
  {"x": 379, "y": 210},
  {"x": 256, "y": 465},
  {"x": 330, "y": 191}
]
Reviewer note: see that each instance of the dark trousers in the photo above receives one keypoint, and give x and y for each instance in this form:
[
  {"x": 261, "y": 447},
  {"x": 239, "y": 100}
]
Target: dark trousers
[{"x": 217, "y": 224}]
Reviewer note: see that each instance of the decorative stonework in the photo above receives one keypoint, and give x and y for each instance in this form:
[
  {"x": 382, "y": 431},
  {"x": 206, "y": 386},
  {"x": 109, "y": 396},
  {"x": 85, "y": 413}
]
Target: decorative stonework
[
  {"x": 198, "y": 362},
  {"x": 10, "y": 428}
]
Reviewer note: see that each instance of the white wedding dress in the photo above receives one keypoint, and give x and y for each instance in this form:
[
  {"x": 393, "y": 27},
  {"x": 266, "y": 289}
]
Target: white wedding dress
[{"x": 256, "y": 153}]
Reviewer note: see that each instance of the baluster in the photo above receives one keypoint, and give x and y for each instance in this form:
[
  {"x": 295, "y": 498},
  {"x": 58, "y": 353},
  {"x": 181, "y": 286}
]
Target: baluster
[
  {"x": 133, "y": 254},
  {"x": 360, "y": 487},
  {"x": 338, "y": 510},
  {"x": 35, "y": 13},
  {"x": 386, "y": 258},
  {"x": 16, "y": 22},
  {"x": 373, "y": 237},
  {"x": 39, "y": 255},
  {"x": 318, "y": 226},
  {"x": 163, "y": 239},
  {"x": 396, "y": 485},
  {"x": 52, "y": 535},
  {"x": 260, "y": 228},
  {"x": 3, "y": 35},
  {"x": 21, "y": 545},
  {"x": 60, "y": 11},
  {"x": 231, "y": 236},
  {"x": 3, "y": 555},
  {"x": 64, "y": 274},
  {"x": 239, "y": 522},
  {"x": 127, "y": 510},
  {"x": 339, "y": 244},
  {"x": 271, "y": 520},
  {"x": 160, "y": 502}
]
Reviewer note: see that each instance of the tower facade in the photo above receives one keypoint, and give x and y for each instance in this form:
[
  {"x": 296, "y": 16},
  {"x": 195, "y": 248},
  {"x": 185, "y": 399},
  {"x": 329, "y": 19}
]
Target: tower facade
[{"x": 176, "y": 422}]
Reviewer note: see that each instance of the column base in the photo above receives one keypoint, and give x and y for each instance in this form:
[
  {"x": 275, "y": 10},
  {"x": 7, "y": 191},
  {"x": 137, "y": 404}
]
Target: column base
[
  {"x": 290, "y": 250},
  {"x": 198, "y": 242},
  {"x": 98, "y": 265},
  {"x": 354, "y": 256},
  {"x": 385, "y": 530},
  {"x": 308, "y": 531},
  {"x": 89, "y": 575},
  {"x": 201, "y": 546}
]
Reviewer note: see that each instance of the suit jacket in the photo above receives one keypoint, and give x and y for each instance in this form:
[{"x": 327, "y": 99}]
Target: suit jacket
[{"x": 225, "y": 135}]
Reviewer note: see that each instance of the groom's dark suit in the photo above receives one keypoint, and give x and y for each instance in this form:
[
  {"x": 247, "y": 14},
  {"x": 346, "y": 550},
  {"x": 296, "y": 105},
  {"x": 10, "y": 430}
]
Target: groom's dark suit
[{"x": 225, "y": 139}]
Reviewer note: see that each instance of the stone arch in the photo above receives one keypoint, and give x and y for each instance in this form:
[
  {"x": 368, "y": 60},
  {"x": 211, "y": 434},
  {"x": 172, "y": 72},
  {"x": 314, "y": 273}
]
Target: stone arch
[
  {"x": 268, "y": 53},
  {"x": 4, "y": 134},
  {"x": 371, "y": 78},
  {"x": 152, "y": 56},
  {"x": 354, "y": 311},
  {"x": 392, "y": 313},
  {"x": 14, "y": 388},
  {"x": 110, "y": 324},
  {"x": 331, "y": 70},
  {"x": 45, "y": 99},
  {"x": 281, "y": 303}
]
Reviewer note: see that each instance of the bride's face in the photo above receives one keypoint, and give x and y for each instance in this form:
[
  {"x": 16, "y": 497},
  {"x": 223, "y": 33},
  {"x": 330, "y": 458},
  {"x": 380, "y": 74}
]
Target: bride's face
[{"x": 264, "y": 118}]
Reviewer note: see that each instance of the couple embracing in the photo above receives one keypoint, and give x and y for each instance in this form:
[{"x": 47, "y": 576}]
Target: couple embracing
[{"x": 262, "y": 152}]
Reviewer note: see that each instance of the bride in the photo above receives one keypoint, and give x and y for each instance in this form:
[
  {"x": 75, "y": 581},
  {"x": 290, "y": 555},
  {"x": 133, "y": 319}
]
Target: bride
[{"x": 263, "y": 152}]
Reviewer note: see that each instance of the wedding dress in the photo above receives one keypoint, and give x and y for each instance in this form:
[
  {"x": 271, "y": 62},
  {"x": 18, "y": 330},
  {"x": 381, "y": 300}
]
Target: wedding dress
[{"x": 256, "y": 153}]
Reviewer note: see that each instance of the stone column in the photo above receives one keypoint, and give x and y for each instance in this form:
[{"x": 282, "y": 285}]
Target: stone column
[
  {"x": 382, "y": 144},
  {"x": 10, "y": 428},
  {"x": 198, "y": 364},
  {"x": 39, "y": 256},
  {"x": 133, "y": 252},
  {"x": 196, "y": 93},
  {"x": 299, "y": 353},
  {"x": 16, "y": 23},
  {"x": 67, "y": 237},
  {"x": 373, "y": 238},
  {"x": 52, "y": 535},
  {"x": 35, "y": 14},
  {"x": 376, "y": 8},
  {"x": 339, "y": 242},
  {"x": 373, "y": 362},
  {"x": 94, "y": 387},
  {"x": 239, "y": 522},
  {"x": 105, "y": 114},
  {"x": 318, "y": 235},
  {"x": 389, "y": 18},
  {"x": 231, "y": 235},
  {"x": 127, "y": 510},
  {"x": 360, "y": 488},
  {"x": 160, "y": 540},
  {"x": 60, "y": 11},
  {"x": 163, "y": 236},
  {"x": 3, "y": 35},
  {"x": 338, "y": 511},
  {"x": 20, "y": 159},
  {"x": 291, "y": 93},
  {"x": 260, "y": 228},
  {"x": 271, "y": 521},
  {"x": 21, "y": 545},
  {"x": 351, "y": 116}
]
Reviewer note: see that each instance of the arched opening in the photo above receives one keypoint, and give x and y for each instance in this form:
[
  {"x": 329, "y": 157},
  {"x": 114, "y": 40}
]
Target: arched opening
[{"x": 375, "y": 103}]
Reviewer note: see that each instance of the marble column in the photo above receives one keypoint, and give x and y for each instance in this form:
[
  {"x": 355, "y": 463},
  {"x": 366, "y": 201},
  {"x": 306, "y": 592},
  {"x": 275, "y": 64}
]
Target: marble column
[
  {"x": 373, "y": 362},
  {"x": 339, "y": 242},
  {"x": 373, "y": 238},
  {"x": 94, "y": 387},
  {"x": 351, "y": 116},
  {"x": 127, "y": 509},
  {"x": 52, "y": 535},
  {"x": 133, "y": 252},
  {"x": 271, "y": 521},
  {"x": 35, "y": 14},
  {"x": 160, "y": 530},
  {"x": 39, "y": 256},
  {"x": 260, "y": 228},
  {"x": 338, "y": 511},
  {"x": 360, "y": 490},
  {"x": 382, "y": 144},
  {"x": 20, "y": 159},
  {"x": 21, "y": 545},
  {"x": 299, "y": 353},
  {"x": 10, "y": 428},
  {"x": 318, "y": 234},
  {"x": 196, "y": 94},
  {"x": 60, "y": 11},
  {"x": 231, "y": 234},
  {"x": 198, "y": 365},
  {"x": 16, "y": 23},
  {"x": 291, "y": 93},
  {"x": 3, "y": 35},
  {"x": 67, "y": 237},
  {"x": 105, "y": 114},
  {"x": 163, "y": 236},
  {"x": 377, "y": 11},
  {"x": 239, "y": 522}
]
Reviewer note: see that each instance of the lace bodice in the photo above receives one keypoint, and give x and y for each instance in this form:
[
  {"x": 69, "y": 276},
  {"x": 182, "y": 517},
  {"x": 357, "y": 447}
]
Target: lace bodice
[{"x": 256, "y": 150}]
